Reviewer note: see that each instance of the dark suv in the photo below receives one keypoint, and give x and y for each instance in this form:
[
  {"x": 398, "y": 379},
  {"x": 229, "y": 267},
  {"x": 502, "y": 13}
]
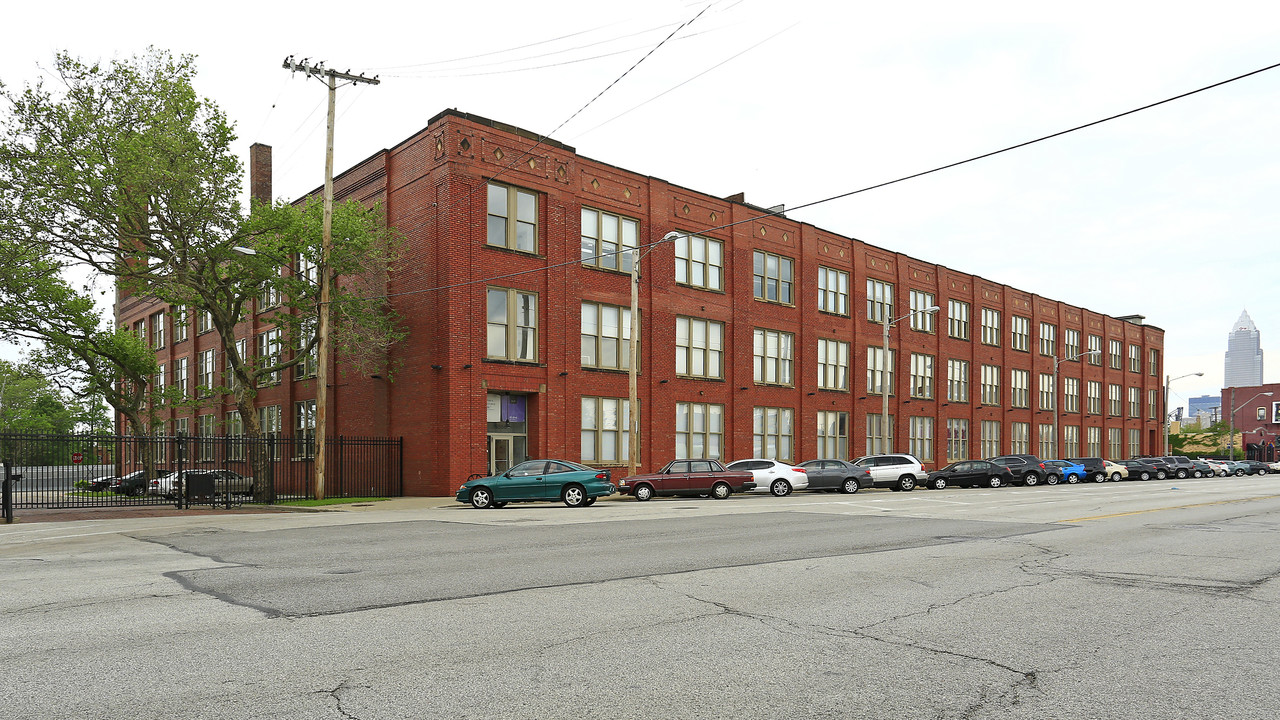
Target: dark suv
[
  {"x": 1027, "y": 469},
  {"x": 1182, "y": 466},
  {"x": 1094, "y": 468}
]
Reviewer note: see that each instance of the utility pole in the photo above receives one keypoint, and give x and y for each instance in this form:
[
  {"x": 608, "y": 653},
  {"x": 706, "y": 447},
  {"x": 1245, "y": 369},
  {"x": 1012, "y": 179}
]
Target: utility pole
[{"x": 318, "y": 70}]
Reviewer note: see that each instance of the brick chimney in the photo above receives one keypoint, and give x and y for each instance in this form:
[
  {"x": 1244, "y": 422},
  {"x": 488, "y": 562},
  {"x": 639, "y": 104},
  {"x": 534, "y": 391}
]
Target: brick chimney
[{"x": 260, "y": 172}]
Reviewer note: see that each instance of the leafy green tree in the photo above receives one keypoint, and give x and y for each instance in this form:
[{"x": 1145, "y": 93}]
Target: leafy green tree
[{"x": 126, "y": 172}]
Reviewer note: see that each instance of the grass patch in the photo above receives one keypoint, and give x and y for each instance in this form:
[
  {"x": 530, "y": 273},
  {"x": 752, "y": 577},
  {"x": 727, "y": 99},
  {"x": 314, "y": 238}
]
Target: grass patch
[{"x": 330, "y": 501}]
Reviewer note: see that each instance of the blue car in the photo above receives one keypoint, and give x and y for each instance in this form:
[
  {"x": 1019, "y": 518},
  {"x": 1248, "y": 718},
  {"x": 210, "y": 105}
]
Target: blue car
[
  {"x": 573, "y": 484},
  {"x": 1063, "y": 470}
]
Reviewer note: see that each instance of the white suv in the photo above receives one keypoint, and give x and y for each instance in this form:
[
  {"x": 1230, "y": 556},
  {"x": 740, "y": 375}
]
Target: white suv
[
  {"x": 772, "y": 476},
  {"x": 898, "y": 471}
]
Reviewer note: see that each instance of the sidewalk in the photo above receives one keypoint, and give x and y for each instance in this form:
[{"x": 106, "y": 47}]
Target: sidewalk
[{"x": 37, "y": 515}]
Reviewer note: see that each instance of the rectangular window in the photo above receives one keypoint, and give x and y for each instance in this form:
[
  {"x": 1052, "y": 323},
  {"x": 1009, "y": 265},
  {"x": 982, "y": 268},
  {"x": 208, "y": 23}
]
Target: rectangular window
[
  {"x": 242, "y": 351},
  {"x": 833, "y": 435},
  {"x": 206, "y": 372},
  {"x": 205, "y": 445},
  {"x": 235, "y": 431},
  {"x": 772, "y": 277},
  {"x": 140, "y": 331},
  {"x": 700, "y": 262},
  {"x": 880, "y": 378},
  {"x": 204, "y": 322},
  {"x": 1046, "y": 391},
  {"x": 1135, "y": 358},
  {"x": 958, "y": 319},
  {"x": 879, "y": 301},
  {"x": 699, "y": 347},
  {"x": 771, "y": 433},
  {"x": 1116, "y": 356},
  {"x": 773, "y": 356},
  {"x": 1135, "y": 402},
  {"x": 921, "y": 376},
  {"x": 699, "y": 430},
  {"x": 1071, "y": 345},
  {"x": 920, "y": 442},
  {"x": 1020, "y": 438},
  {"x": 990, "y": 326},
  {"x": 1153, "y": 404},
  {"x": 1135, "y": 442},
  {"x": 513, "y": 218},
  {"x": 1093, "y": 441},
  {"x": 990, "y": 385},
  {"x": 1071, "y": 396},
  {"x": 990, "y": 438},
  {"x": 1019, "y": 388},
  {"x": 606, "y": 431},
  {"x": 158, "y": 383},
  {"x": 1095, "y": 351},
  {"x": 1115, "y": 406},
  {"x": 833, "y": 365},
  {"x": 180, "y": 324},
  {"x": 1071, "y": 440},
  {"x": 304, "y": 429},
  {"x": 307, "y": 368},
  {"x": 182, "y": 427},
  {"x": 875, "y": 444},
  {"x": 268, "y": 355},
  {"x": 1048, "y": 340},
  {"x": 957, "y": 440},
  {"x": 268, "y": 298},
  {"x": 180, "y": 374},
  {"x": 920, "y": 319},
  {"x": 833, "y": 291},
  {"x": 1154, "y": 363},
  {"x": 157, "y": 330},
  {"x": 608, "y": 240},
  {"x": 606, "y": 336},
  {"x": 269, "y": 422},
  {"x": 306, "y": 270},
  {"x": 513, "y": 325},
  {"x": 1093, "y": 397},
  {"x": 1048, "y": 449},
  {"x": 958, "y": 381},
  {"x": 1020, "y": 333}
]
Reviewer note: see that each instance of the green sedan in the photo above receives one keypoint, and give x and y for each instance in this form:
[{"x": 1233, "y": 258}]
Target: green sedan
[{"x": 573, "y": 484}]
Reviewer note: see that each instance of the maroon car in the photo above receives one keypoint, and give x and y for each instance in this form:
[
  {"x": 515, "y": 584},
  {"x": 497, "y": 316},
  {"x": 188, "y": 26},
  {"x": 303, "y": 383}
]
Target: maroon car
[{"x": 688, "y": 477}]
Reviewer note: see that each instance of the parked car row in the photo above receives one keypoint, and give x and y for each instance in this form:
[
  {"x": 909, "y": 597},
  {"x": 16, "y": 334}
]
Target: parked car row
[{"x": 165, "y": 483}]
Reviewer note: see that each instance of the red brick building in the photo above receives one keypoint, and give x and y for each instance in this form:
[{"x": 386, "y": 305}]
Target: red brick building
[
  {"x": 1256, "y": 418},
  {"x": 760, "y": 335}
]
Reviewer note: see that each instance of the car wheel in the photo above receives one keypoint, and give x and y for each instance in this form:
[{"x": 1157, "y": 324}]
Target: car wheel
[
  {"x": 720, "y": 491},
  {"x": 643, "y": 492},
  {"x": 994, "y": 481},
  {"x": 1073, "y": 478},
  {"x": 1161, "y": 475},
  {"x": 1030, "y": 479},
  {"x": 1050, "y": 479},
  {"x": 1239, "y": 473},
  {"x": 906, "y": 483},
  {"x": 1145, "y": 475},
  {"x": 1115, "y": 477},
  {"x": 1262, "y": 471},
  {"x": 849, "y": 486},
  {"x": 481, "y": 498},
  {"x": 1100, "y": 477},
  {"x": 573, "y": 496},
  {"x": 938, "y": 483},
  {"x": 780, "y": 488},
  {"x": 1182, "y": 474}
]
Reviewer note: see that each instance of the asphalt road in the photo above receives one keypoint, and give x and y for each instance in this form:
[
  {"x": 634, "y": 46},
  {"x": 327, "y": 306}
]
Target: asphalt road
[{"x": 1132, "y": 600}]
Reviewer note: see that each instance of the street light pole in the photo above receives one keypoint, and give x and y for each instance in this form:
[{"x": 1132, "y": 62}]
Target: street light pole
[
  {"x": 1167, "y": 381},
  {"x": 884, "y": 372},
  {"x": 1231, "y": 437},
  {"x": 1057, "y": 439}
]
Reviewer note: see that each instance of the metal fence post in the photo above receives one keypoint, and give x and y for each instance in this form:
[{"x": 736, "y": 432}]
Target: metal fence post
[
  {"x": 180, "y": 454},
  {"x": 7, "y": 492}
]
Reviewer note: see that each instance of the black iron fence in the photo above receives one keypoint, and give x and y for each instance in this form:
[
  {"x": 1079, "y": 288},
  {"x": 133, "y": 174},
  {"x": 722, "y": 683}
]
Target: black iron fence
[{"x": 89, "y": 470}]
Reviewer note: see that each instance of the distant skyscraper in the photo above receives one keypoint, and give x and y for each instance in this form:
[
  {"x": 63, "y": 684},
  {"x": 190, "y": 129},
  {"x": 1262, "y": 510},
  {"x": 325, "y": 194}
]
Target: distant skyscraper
[{"x": 1244, "y": 354}]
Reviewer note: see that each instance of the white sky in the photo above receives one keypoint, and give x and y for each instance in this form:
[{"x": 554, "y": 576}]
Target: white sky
[{"x": 1170, "y": 213}]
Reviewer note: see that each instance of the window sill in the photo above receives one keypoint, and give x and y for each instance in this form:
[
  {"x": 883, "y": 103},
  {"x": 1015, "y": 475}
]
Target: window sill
[{"x": 520, "y": 363}]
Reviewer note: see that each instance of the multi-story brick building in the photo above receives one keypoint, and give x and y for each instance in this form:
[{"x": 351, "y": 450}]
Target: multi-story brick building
[{"x": 759, "y": 335}]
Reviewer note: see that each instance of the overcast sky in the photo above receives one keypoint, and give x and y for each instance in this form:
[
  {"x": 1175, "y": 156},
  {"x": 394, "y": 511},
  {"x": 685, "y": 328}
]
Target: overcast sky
[{"x": 1171, "y": 213}]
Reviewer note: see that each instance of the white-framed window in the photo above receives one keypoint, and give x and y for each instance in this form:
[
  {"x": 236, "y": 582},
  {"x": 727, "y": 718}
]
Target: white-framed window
[
  {"x": 833, "y": 291},
  {"x": 204, "y": 322},
  {"x": 833, "y": 434},
  {"x": 921, "y": 376},
  {"x": 874, "y": 444},
  {"x": 1046, "y": 391},
  {"x": 180, "y": 377},
  {"x": 140, "y": 331},
  {"x": 920, "y": 443},
  {"x": 308, "y": 367},
  {"x": 1135, "y": 358},
  {"x": 1115, "y": 445},
  {"x": 1153, "y": 404},
  {"x": 1135, "y": 442},
  {"x": 305, "y": 269},
  {"x": 957, "y": 439},
  {"x": 242, "y": 350},
  {"x": 1071, "y": 396},
  {"x": 1093, "y": 441},
  {"x": 1093, "y": 397},
  {"x": 158, "y": 382},
  {"x": 772, "y": 277},
  {"x": 1071, "y": 344},
  {"x": 268, "y": 355},
  {"x": 182, "y": 427},
  {"x": 608, "y": 240},
  {"x": 699, "y": 430},
  {"x": 990, "y": 326},
  {"x": 990, "y": 385},
  {"x": 920, "y": 302},
  {"x": 1020, "y": 333},
  {"x": 990, "y": 438},
  {"x": 181, "y": 323},
  {"x": 235, "y": 433},
  {"x": 1048, "y": 339},
  {"x": 269, "y": 423},
  {"x": 205, "y": 445},
  {"x": 1020, "y": 388},
  {"x": 206, "y": 372},
  {"x": 1048, "y": 449},
  {"x": 700, "y": 262},
  {"x": 1116, "y": 356},
  {"x": 1154, "y": 368},
  {"x": 1071, "y": 440},
  {"x": 699, "y": 347},
  {"x": 606, "y": 336},
  {"x": 772, "y": 433},
  {"x": 880, "y": 377},
  {"x": 958, "y": 319},
  {"x": 1135, "y": 402},
  {"x": 512, "y": 324},
  {"x": 157, "y": 330},
  {"x": 1020, "y": 438},
  {"x": 773, "y": 353},
  {"x": 833, "y": 364},
  {"x": 879, "y": 301},
  {"x": 1095, "y": 347},
  {"x": 268, "y": 298},
  {"x": 1115, "y": 404},
  {"x": 606, "y": 431},
  {"x": 958, "y": 381},
  {"x": 304, "y": 429},
  {"x": 512, "y": 218}
]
